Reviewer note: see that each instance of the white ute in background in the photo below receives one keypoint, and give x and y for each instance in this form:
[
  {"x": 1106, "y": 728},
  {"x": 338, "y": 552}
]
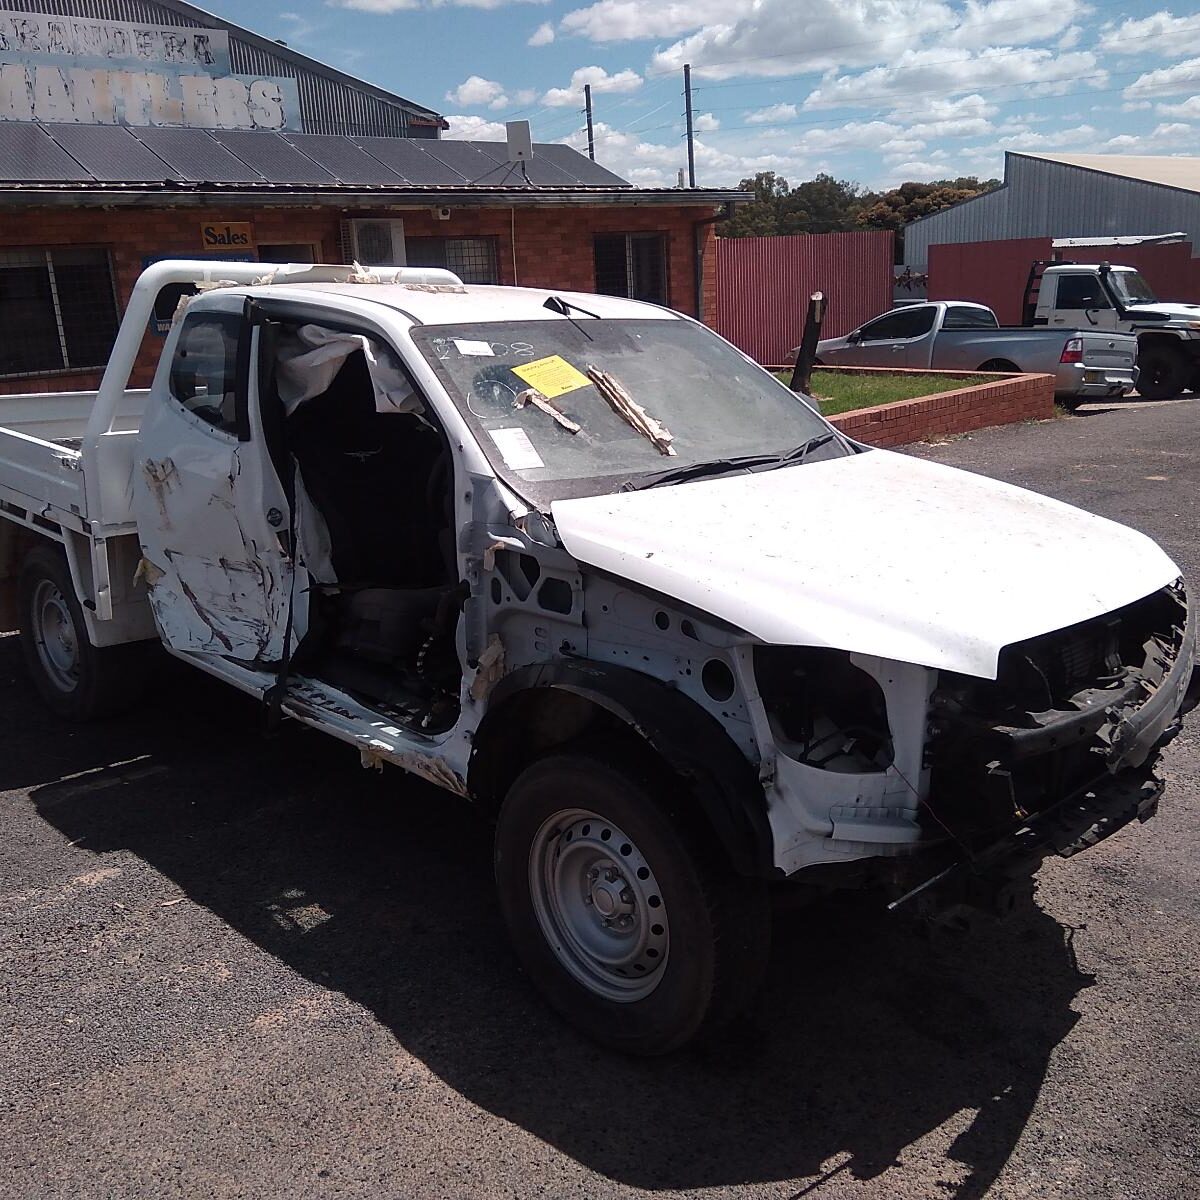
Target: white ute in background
[{"x": 580, "y": 560}]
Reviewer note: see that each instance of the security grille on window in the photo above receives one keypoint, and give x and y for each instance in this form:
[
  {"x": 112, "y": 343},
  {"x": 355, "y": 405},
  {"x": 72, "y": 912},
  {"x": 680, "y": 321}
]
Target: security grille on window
[
  {"x": 58, "y": 311},
  {"x": 633, "y": 265},
  {"x": 473, "y": 260}
]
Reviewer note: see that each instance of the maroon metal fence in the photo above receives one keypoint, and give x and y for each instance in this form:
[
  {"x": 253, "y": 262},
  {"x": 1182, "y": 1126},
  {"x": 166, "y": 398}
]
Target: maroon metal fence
[{"x": 763, "y": 285}]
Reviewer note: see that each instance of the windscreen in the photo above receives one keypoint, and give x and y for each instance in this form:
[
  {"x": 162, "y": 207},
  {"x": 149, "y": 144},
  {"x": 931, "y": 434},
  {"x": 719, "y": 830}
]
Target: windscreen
[
  {"x": 1131, "y": 288},
  {"x": 696, "y": 395}
]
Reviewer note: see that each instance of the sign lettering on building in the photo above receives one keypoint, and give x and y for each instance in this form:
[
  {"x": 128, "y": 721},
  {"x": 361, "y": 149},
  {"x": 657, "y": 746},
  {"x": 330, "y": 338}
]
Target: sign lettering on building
[
  {"x": 227, "y": 234},
  {"x": 70, "y": 69}
]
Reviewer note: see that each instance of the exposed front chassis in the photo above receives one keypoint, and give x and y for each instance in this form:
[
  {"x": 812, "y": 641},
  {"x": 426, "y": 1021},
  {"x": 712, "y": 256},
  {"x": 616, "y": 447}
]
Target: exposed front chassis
[{"x": 932, "y": 839}]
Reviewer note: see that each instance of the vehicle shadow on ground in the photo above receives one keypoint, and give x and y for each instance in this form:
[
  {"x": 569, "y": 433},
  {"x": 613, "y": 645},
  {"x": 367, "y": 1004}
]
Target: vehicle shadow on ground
[{"x": 869, "y": 1035}]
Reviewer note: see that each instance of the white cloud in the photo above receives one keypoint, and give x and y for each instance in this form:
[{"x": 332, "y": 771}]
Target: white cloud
[
  {"x": 918, "y": 72},
  {"x": 1168, "y": 136},
  {"x": 1166, "y": 81},
  {"x": 381, "y": 7},
  {"x": 476, "y": 90},
  {"x": 1079, "y": 135},
  {"x": 706, "y": 123},
  {"x": 391, "y": 6},
  {"x": 1003, "y": 22},
  {"x": 1160, "y": 31},
  {"x": 475, "y": 129},
  {"x": 771, "y": 115},
  {"x": 1189, "y": 108},
  {"x": 601, "y": 81},
  {"x": 633, "y": 20},
  {"x": 543, "y": 35}
]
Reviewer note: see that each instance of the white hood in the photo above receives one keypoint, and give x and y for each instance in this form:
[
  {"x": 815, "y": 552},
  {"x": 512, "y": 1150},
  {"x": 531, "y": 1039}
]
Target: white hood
[
  {"x": 877, "y": 553},
  {"x": 1173, "y": 312}
]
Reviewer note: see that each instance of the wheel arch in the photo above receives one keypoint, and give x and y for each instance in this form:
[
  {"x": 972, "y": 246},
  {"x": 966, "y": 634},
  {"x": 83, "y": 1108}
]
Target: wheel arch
[{"x": 539, "y": 708}]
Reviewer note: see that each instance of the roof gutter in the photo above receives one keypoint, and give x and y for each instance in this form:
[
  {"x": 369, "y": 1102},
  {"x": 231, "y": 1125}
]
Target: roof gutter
[{"x": 32, "y": 196}]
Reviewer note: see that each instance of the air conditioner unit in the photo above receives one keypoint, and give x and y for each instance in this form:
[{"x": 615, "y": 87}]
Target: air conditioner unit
[{"x": 373, "y": 242}]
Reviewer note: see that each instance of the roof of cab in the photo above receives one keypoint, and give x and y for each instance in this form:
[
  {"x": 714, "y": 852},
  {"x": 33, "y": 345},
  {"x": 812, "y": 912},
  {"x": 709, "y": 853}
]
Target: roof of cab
[{"x": 445, "y": 305}]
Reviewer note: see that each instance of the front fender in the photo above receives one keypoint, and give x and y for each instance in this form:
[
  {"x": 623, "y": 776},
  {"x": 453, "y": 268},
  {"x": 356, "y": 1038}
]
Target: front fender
[{"x": 690, "y": 741}]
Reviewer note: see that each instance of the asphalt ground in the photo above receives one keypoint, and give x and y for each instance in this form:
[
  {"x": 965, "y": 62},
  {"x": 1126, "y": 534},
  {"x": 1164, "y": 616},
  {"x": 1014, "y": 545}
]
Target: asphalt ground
[{"x": 232, "y": 966}]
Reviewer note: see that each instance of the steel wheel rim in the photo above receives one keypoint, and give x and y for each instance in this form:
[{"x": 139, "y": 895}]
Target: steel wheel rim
[
  {"x": 55, "y": 636},
  {"x": 599, "y": 905}
]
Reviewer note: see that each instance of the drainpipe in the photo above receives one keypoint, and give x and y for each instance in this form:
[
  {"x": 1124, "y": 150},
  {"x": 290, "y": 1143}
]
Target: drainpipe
[{"x": 698, "y": 256}]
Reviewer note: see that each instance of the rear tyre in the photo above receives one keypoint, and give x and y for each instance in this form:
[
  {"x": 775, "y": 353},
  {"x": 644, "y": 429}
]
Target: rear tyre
[
  {"x": 1163, "y": 372},
  {"x": 627, "y": 922},
  {"x": 76, "y": 679},
  {"x": 999, "y": 365}
]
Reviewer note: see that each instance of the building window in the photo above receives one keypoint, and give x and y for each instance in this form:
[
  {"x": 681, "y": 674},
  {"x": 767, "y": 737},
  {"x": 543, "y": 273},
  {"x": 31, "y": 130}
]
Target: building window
[
  {"x": 58, "y": 310},
  {"x": 633, "y": 265},
  {"x": 287, "y": 252},
  {"x": 473, "y": 260}
]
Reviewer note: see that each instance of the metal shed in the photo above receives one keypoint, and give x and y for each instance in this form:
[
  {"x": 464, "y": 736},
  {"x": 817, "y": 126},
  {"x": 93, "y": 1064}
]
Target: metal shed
[{"x": 1069, "y": 195}]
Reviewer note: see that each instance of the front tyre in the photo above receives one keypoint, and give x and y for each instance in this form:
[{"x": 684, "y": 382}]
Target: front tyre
[
  {"x": 76, "y": 679},
  {"x": 1163, "y": 372},
  {"x": 625, "y": 919}
]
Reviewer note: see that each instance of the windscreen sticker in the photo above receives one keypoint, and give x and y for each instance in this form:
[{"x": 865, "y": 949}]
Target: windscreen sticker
[
  {"x": 552, "y": 376},
  {"x": 474, "y": 349},
  {"x": 516, "y": 449}
]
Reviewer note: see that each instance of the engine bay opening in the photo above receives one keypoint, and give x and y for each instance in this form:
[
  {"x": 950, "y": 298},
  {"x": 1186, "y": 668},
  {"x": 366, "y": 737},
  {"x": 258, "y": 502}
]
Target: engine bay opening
[
  {"x": 824, "y": 711},
  {"x": 1001, "y": 750}
]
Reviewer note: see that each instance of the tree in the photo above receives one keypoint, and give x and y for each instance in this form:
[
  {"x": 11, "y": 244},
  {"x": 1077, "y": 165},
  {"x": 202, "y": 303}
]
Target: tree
[
  {"x": 895, "y": 209},
  {"x": 761, "y": 218},
  {"x": 822, "y": 205}
]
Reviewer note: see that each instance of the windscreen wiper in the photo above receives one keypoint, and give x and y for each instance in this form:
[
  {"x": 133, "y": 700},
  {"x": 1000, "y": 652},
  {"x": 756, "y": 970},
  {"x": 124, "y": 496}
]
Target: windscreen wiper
[
  {"x": 719, "y": 466},
  {"x": 564, "y": 308}
]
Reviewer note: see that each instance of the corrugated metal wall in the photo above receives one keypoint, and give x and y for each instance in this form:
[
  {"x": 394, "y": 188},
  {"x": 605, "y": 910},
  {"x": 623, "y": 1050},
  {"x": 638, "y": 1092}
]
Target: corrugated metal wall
[
  {"x": 327, "y": 104},
  {"x": 995, "y": 273},
  {"x": 1048, "y": 200},
  {"x": 763, "y": 286}
]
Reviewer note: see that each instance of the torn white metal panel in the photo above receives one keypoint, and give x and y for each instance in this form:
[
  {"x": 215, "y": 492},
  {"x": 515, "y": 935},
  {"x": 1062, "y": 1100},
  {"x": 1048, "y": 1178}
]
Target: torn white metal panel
[
  {"x": 202, "y": 519},
  {"x": 876, "y": 553}
]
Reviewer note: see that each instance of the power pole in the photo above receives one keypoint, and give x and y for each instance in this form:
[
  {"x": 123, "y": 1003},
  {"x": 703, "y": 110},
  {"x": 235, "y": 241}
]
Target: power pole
[
  {"x": 687, "y": 95},
  {"x": 587, "y": 106}
]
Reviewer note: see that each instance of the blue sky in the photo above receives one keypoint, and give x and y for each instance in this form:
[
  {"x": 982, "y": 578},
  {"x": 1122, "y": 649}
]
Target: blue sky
[{"x": 877, "y": 91}]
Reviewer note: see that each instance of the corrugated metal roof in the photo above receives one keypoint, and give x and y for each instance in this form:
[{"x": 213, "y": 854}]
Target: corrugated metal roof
[{"x": 1169, "y": 171}]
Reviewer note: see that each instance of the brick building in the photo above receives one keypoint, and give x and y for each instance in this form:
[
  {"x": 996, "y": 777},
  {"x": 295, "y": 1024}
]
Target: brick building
[{"x": 172, "y": 133}]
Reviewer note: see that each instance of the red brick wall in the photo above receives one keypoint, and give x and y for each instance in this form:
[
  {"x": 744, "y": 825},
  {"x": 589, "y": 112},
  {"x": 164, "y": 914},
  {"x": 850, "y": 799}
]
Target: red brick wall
[
  {"x": 1004, "y": 402},
  {"x": 553, "y": 248}
]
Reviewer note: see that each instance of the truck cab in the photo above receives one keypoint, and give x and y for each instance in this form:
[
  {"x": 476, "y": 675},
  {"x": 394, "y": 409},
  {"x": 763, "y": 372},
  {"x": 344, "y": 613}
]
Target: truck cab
[{"x": 1105, "y": 296}]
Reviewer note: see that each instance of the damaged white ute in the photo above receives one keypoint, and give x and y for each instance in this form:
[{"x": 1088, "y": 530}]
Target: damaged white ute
[{"x": 579, "y": 559}]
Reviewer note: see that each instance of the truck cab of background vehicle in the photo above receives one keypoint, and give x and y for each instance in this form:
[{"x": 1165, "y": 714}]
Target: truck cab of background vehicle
[
  {"x": 1104, "y": 296},
  {"x": 580, "y": 560}
]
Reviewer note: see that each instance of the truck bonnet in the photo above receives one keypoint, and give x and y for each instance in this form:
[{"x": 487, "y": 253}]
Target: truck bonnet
[{"x": 877, "y": 553}]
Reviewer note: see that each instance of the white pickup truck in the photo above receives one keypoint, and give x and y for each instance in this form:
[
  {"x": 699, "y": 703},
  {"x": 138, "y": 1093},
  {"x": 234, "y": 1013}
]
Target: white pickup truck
[
  {"x": 581, "y": 560},
  {"x": 956, "y": 335},
  {"x": 1106, "y": 299}
]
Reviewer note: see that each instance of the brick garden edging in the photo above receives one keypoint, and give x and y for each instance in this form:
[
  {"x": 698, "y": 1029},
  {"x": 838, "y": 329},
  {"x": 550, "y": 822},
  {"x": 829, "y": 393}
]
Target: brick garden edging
[{"x": 1002, "y": 400}]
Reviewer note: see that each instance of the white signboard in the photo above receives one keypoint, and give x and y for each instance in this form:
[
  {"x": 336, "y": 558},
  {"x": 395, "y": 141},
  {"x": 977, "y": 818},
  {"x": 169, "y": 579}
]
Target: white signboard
[{"x": 55, "y": 68}]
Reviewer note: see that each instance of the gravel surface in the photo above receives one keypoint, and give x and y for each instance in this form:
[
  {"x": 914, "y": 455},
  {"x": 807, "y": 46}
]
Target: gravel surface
[{"x": 232, "y": 966}]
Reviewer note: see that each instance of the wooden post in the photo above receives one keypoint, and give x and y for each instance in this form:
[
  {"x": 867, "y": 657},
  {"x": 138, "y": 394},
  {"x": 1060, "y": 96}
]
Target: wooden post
[{"x": 802, "y": 374}]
